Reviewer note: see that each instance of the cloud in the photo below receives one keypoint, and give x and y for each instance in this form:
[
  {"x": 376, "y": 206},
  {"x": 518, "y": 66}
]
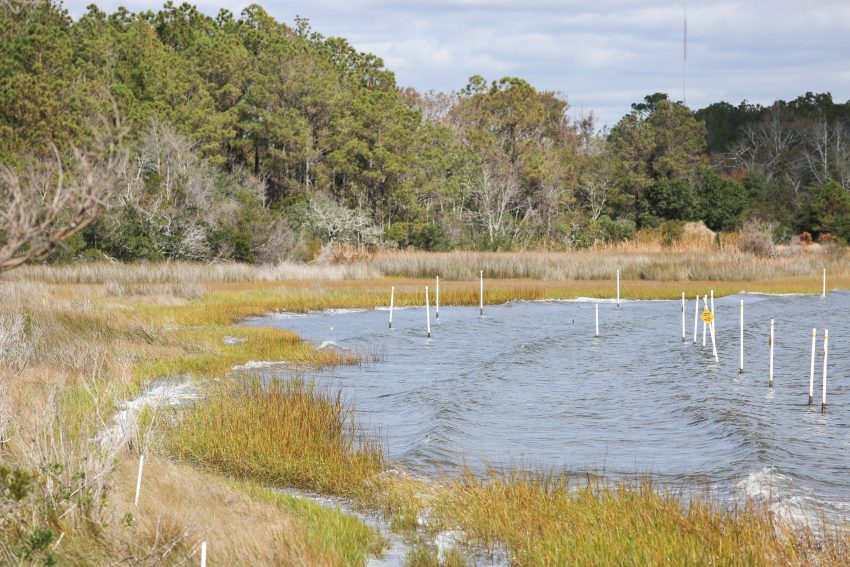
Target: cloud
[{"x": 602, "y": 55}]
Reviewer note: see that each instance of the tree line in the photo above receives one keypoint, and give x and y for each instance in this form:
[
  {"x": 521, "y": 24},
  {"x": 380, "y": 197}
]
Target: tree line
[{"x": 241, "y": 137}]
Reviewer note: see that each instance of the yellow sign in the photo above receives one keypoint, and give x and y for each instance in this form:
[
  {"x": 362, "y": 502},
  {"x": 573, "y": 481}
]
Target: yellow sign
[{"x": 707, "y": 316}]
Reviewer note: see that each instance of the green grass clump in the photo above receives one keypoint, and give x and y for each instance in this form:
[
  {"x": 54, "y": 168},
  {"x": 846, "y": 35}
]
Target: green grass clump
[
  {"x": 282, "y": 433},
  {"x": 544, "y": 520},
  {"x": 347, "y": 537}
]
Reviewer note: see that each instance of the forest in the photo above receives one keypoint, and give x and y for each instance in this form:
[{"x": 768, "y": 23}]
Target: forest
[{"x": 239, "y": 137}]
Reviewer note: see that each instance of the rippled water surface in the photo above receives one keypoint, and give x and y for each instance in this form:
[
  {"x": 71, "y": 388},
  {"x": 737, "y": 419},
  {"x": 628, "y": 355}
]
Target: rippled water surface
[{"x": 528, "y": 384}]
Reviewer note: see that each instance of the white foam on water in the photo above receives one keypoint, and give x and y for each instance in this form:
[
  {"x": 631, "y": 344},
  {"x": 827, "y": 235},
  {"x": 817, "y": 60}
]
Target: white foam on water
[
  {"x": 788, "y": 500},
  {"x": 161, "y": 394},
  {"x": 327, "y": 344},
  {"x": 258, "y": 364}
]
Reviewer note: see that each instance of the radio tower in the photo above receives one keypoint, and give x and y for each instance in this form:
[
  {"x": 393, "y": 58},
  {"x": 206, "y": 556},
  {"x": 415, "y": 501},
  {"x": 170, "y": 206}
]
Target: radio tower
[{"x": 685, "y": 52}]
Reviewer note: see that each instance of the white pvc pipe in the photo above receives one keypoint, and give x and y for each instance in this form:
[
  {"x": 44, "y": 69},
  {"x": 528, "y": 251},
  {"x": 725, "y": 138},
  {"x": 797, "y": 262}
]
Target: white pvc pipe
[
  {"x": 741, "y": 370},
  {"x": 823, "y": 293},
  {"x": 683, "y": 316},
  {"x": 696, "y": 318},
  {"x": 597, "y": 320},
  {"x": 825, "y": 354},
  {"x": 812, "y": 369},
  {"x": 618, "y": 288},
  {"x": 437, "y": 300},
  {"x": 713, "y": 342},
  {"x": 203, "y": 554},
  {"x": 139, "y": 480},
  {"x": 771, "y": 354},
  {"x": 427, "y": 312},
  {"x": 704, "y": 324},
  {"x": 481, "y": 295},
  {"x": 392, "y": 302}
]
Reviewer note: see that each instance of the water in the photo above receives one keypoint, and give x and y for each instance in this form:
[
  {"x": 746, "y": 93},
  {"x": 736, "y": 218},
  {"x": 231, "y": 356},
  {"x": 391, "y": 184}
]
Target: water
[{"x": 529, "y": 385}]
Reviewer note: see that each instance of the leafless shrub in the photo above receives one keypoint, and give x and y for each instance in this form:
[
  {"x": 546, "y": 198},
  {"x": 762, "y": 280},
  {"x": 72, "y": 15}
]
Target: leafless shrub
[
  {"x": 43, "y": 204},
  {"x": 15, "y": 347},
  {"x": 757, "y": 238}
]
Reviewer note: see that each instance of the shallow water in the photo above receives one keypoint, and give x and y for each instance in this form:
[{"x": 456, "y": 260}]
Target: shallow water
[{"x": 528, "y": 384}]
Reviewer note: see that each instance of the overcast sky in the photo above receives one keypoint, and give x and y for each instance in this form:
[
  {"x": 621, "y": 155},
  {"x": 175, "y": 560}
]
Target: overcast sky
[{"x": 602, "y": 55}]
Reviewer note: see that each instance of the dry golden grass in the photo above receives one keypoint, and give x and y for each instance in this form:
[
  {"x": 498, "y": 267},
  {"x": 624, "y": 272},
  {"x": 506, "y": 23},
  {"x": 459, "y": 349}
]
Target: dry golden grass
[{"x": 240, "y": 522}]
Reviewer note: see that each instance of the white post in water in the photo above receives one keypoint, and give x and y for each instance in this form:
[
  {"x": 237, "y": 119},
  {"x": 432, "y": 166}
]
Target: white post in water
[
  {"x": 704, "y": 324},
  {"x": 770, "y": 384},
  {"x": 741, "y": 370},
  {"x": 427, "y": 312},
  {"x": 696, "y": 318},
  {"x": 713, "y": 343},
  {"x": 597, "y": 321},
  {"x": 481, "y": 295},
  {"x": 712, "y": 301},
  {"x": 618, "y": 287},
  {"x": 437, "y": 300},
  {"x": 203, "y": 554},
  {"x": 392, "y": 301},
  {"x": 823, "y": 293},
  {"x": 825, "y": 354},
  {"x": 683, "y": 316},
  {"x": 139, "y": 481},
  {"x": 812, "y": 369}
]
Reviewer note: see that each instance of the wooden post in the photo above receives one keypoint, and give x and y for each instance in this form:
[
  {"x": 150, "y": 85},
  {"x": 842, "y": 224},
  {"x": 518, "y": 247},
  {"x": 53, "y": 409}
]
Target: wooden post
[
  {"x": 203, "y": 554},
  {"x": 741, "y": 371},
  {"x": 823, "y": 292},
  {"x": 392, "y": 301},
  {"x": 427, "y": 312},
  {"x": 704, "y": 324},
  {"x": 139, "y": 481},
  {"x": 683, "y": 316},
  {"x": 825, "y": 355},
  {"x": 437, "y": 300},
  {"x": 770, "y": 384},
  {"x": 812, "y": 369}
]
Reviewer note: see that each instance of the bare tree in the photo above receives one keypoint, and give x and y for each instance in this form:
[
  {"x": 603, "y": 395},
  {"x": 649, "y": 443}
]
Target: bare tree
[
  {"x": 43, "y": 205},
  {"x": 827, "y": 152},
  {"x": 768, "y": 148},
  {"x": 495, "y": 196}
]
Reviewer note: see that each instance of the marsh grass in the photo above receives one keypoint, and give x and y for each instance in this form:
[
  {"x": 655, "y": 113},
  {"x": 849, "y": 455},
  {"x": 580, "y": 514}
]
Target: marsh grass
[
  {"x": 661, "y": 265},
  {"x": 281, "y": 433},
  {"x": 75, "y": 344},
  {"x": 547, "y": 519}
]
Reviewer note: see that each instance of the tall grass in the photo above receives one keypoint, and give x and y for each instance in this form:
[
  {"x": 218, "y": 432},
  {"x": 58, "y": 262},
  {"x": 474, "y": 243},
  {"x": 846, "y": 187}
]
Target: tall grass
[
  {"x": 279, "y": 433},
  {"x": 730, "y": 265},
  {"x": 550, "y": 520},
  {"x": 139, "y": 274}
]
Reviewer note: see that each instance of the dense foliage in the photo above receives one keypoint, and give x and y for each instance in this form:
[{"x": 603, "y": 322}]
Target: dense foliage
[{"x": 254, "y": 140}]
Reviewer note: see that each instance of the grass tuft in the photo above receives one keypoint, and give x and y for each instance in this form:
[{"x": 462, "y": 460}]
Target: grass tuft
[{"x": 283, "y": 434}]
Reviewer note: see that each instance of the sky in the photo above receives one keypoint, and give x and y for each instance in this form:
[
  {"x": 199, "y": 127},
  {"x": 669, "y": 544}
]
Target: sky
[{"x": 601, "y": 55}]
